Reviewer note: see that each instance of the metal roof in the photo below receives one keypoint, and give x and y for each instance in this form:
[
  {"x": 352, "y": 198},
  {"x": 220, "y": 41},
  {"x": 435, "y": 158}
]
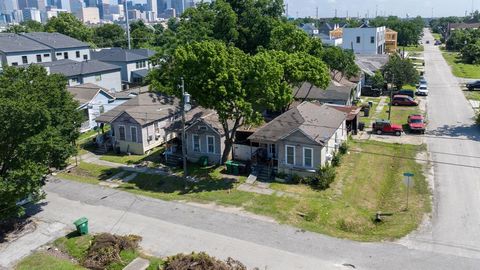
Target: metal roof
[
  {"x": 121, "y": 55},
  {"x": 55, "y": 40},
  {"x": 11, "y": 43},
  {"x": 71, "y": 68}
]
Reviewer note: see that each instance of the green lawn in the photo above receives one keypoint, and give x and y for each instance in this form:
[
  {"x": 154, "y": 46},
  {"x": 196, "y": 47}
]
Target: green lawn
[
  {"x": 153, "y": 156},
  {"x": 418, "y": 48},
  {"x": 345, "y": 210},
  {"x": 399, "y": 114},
  {"x": 460, "y": 69},
  {"x": 474, "y": 95},
  {"x": 437, "y": 36},
  {"x": 89, "y": 173},
  {"x": 44, "y": 261}
]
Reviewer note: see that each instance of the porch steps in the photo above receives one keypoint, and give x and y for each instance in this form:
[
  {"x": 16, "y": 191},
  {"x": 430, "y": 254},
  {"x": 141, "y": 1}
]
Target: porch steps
[
  {"x": 264, "y": 173},
  {"x": 174, "y": 161},
  {"x": 251, "y": 179}
]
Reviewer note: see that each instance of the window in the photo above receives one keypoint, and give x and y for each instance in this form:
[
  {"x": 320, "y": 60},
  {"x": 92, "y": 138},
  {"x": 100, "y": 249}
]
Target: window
[
  {"x": 15, "y": 64},
  {"x": 24, "y": 60},
  {"x": 77, "y": 54},
  {"x": 140, "y": 64},
  {"x": 290, "y": 155},
  {"x": 196, "y": 143},
  {"x": 372, "y": 40},
  {"x": 85, "y": 57},
  {"x": 307, "y": 157},
  {"x": 59, "y": 53},
  {"x": 65, "y": 55},
  {"x": 46, "y": 55},
  {"x": 75, "y": 80},
  {"x": 101, "y": 108},
  {"x": 39, "y": 58},
  {"x": 210, "y": 144},
  {"x": 358, "y": 39},
  {"x": 156, "y": 127},
  {"x": 133, "y": 133},
  {"x": 121, "y": 133},
  {"x": 98, "y": 77}
]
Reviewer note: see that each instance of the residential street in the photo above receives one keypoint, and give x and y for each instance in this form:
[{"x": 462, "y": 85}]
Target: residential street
[
  {"x": 450, "y": 241},
  {"x": 454, "y": 142}
]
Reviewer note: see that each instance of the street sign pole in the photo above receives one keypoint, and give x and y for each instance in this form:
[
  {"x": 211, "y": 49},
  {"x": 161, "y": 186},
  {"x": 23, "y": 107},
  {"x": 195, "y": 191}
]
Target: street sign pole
[{"x": 407, "y": 178}]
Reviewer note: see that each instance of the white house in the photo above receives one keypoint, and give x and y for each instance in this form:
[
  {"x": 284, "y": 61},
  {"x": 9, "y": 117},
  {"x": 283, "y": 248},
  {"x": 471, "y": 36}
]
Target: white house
[
  {"x": 29, "y": 48},
  {"x": 102, "y": 74},
  {"x": 364, "y": 39}
]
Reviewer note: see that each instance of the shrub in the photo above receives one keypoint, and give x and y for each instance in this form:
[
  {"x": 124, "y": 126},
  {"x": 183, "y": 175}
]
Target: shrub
[
  {"x": 343, "y": 148},
  {"x": 325, "y": 176},
  {"x": 201, "y": 261},
  {"x": 336, "y": 160},
  {"x": 296, "y": 179},
  {"x": 106, "y": 248},
  {"x": 477, "y": 119}
]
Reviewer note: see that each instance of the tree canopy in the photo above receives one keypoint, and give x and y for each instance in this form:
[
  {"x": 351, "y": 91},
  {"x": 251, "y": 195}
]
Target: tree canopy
[
  {"x": 409, "y": 31},
  {"x": 39, "y": 120},
  {"x": 109, "y": 35},
  {"x": 67, "y": 24},
  {"x": 400, "y": 71},
  {"x": 237, "y": 85}
]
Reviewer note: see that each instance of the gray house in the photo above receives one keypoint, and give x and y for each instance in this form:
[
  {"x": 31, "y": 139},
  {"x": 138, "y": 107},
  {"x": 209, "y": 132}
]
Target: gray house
[
  {"x": 134, "y": 63},
  {"x": 335, "y": 93},
  {"x": 102, "y": 74},
  {"x": 138, "y": 125},
  {"x": 300, "y": 140},
  {"x": 28, "y": 48}
]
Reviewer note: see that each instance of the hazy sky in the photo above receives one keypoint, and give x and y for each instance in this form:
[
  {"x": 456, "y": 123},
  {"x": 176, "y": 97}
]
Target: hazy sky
[{"x": 326, "y": 8}]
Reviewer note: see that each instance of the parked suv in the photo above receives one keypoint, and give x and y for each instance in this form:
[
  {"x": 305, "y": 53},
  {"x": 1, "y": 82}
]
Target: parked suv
[
  {"x": 405, "y": 92},
  {"x": 473, "y": 85},
  {"x": 371, "y": 92},
  {"x": 416, "y": 123},
  {"x": 382, "y": 126},
  {"x": 422, "y": 90},
  {"x": 402, "y": 100}
]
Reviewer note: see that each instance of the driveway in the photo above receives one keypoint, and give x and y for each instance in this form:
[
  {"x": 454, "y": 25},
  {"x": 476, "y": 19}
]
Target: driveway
[
  {"x": 454, "y": 143},
  {"x": 171, "y": 227}
]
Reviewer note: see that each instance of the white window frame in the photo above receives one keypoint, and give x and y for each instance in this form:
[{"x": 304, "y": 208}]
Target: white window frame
[
  {"x": 124, "y": 133},
  {"x": 311, "y": 157},
  {"x": 286, "y": 154},
  {"x": 213, "y": 144},
  {"x": 199, "y": 143},
  {"x": 136, "y": 134}
]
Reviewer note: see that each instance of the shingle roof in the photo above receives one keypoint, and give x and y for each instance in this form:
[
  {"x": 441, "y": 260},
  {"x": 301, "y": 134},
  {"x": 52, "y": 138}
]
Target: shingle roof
[
  {"x": 121, "y": 55},
  {"x": 145, "y": 108},
  {"x": 55, "y": 40},
  {"x": 334, "y": 91},
  {"x": 10, "y": 42},
  {"x": 71, "y": 68},
  {"x": 317, "y": 122},
  {"x": 371, "y": 63},
  {"x": 84, "y": 93}
]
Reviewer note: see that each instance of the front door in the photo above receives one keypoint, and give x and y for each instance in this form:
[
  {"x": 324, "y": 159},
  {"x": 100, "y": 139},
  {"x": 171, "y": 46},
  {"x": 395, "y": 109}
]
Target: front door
[{"x": 272, "y": 151}]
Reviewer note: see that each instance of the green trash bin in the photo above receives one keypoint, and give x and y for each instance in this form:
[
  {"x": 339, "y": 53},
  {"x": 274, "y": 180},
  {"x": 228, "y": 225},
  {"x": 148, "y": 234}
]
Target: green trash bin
[
  {"x": 203, "y": 161},
  {"x": 228, "y": 164},
  {"x": 235, "y": 168},
  {"x": 82, "y": 225}
]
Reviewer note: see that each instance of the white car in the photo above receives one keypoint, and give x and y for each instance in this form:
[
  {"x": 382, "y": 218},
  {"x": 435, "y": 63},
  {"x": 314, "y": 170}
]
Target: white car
[{"x": 422, "y": 90}]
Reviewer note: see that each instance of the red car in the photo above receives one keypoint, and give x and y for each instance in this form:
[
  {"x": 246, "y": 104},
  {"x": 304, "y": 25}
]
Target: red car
[
  {"x": 384, "y": 126},
  {"x": 416, "y": 123},
  {"x": 403, "y": 100}
]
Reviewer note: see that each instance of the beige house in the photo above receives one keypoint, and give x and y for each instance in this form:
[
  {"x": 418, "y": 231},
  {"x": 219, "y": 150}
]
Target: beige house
[
  {"x": 139, "y": 124},
  {"x": 300, "y": 140}
]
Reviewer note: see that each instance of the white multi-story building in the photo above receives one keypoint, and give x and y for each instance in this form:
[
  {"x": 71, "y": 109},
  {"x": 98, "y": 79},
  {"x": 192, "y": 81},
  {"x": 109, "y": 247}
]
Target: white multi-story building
[{"x": 364, "y": 39}]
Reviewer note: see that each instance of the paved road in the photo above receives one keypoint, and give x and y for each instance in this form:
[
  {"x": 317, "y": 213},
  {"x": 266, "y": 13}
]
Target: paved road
[
  {"x": 454, "y": 141},
  {"x": 170, "y": 227}
]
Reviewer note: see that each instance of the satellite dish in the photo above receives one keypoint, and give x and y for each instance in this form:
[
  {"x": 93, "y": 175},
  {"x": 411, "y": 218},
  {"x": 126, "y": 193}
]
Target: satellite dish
[{"x": 187, "y": 107}]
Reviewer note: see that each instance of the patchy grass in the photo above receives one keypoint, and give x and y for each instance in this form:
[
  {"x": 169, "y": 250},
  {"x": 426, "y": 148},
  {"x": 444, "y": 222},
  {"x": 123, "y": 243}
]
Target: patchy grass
[
  {"x": 368, "y": 180},
  {"x": 89, "y": 173},
  {"x": 460, "y": 69},
  {"x": 74, "y": 245},
  {"x": 474, "y": 95},
  {"x": 399, "y": 114},
  {"x": 412, "y": 48},
  {"x": 154, "y": 157},
  {"x": 44, "y": 261},
  {"x": 368, "y": 120}
]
